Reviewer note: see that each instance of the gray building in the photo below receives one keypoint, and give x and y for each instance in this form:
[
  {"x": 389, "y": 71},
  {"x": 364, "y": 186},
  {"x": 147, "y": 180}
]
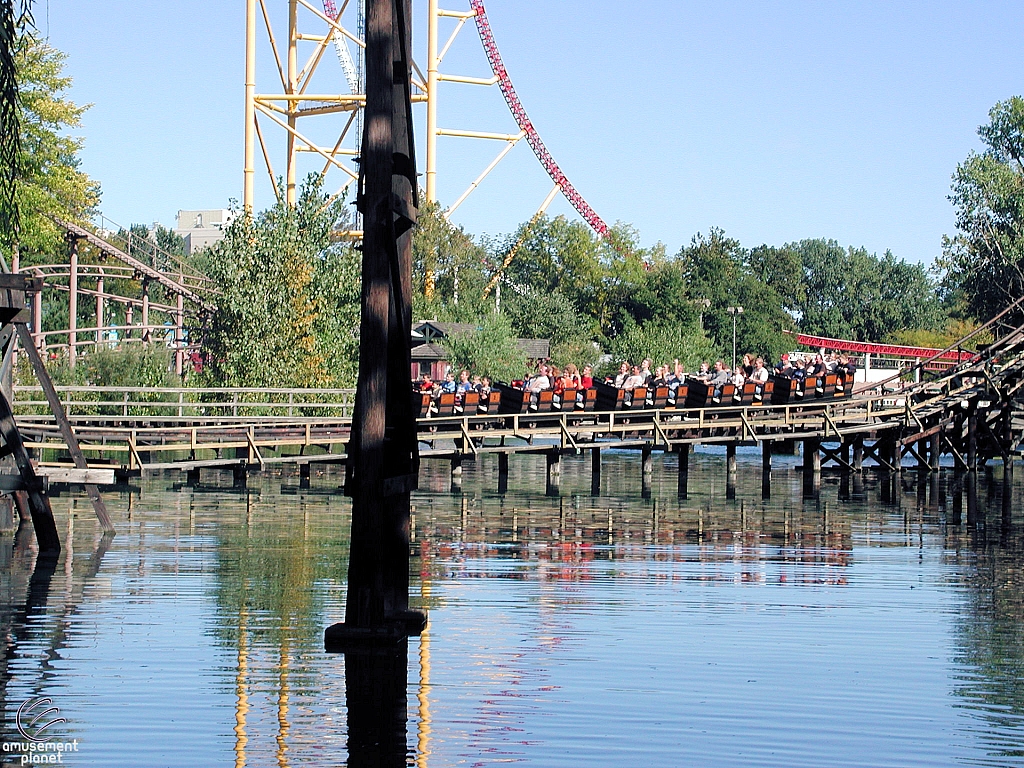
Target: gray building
[{"x": 202, "y": 228}]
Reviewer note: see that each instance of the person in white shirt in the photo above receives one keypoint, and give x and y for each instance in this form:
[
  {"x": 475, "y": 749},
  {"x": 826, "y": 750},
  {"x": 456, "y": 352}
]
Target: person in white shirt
[
  {"x": 760, "y": 374},
  {"x": 540, "y": 381}
]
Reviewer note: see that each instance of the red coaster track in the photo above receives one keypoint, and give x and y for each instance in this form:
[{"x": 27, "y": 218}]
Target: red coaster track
[{"x": 483, "y": 27}]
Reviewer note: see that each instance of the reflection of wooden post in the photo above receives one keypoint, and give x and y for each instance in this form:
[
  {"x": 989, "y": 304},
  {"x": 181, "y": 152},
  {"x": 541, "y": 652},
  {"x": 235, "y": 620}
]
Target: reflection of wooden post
[
  {"x": 99, "y": 310},
  {"x": 730, "y": 471},
  {"x": 684, "y": 470},
  {"x": 766, "y": 469},
  {"x": 72, "y": 300}
]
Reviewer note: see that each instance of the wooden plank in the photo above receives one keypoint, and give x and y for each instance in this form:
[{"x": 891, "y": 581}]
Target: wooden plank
[
  {"x": 93, "y": 475},
  {"x": 14, "y": 282}
]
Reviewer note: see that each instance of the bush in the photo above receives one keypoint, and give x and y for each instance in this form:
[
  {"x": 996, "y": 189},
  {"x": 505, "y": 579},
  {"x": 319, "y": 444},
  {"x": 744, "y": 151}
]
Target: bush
[
  {"x": 663, "y": 342},
  {"x": 490, "y": 350}
]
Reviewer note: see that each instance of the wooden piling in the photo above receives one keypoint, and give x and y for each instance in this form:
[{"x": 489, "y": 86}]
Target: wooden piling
[
  {"x": 812, "y": 467},
  {"x": 383, "y": 452},
  {"x": 730, "y": 471},
  {"x": 684, "y": 470},
  {"x": 554, "y": 472},
  {"x": 858, "y": 453},
  {"x": 972, "y": 442},
  {"x": 766, "y": 469}
]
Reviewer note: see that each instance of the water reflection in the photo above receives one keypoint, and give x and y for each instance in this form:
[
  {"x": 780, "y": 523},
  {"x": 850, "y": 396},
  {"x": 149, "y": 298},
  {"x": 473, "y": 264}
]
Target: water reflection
[{"x": 879, "y": 621}]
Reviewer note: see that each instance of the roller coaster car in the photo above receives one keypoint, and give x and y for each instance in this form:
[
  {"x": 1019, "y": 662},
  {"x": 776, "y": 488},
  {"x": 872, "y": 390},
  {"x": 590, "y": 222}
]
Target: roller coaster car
[
  {"x": 784, "y": 389},
  {"x": 586, "y": 400},
  {"x": 636, "y": 399},
  {"x": 820, "y": 387},
  {"x": 755, "y": 393},
  {"x": 421, "y": 404},
  {"x": 565, "y": 400},
  {"x": 544, "y": 401},
  {"x": 663, "y": 397},
  {"x": 445, "y": 404},
  {"x": 608, "y": 398},
  {"x": 470, "y": 404},
  {"x": 491, "y": 402},
  {"x": 511, "y": 399},
  {"x": 702, "y": 394}
]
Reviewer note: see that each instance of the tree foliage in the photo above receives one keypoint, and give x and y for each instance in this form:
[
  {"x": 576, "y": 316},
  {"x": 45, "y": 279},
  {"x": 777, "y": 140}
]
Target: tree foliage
[
  {"x": 50, "y": 180},
  {"x": 288, "y": 309},
  {"x": 984, "y": 260},
  {"x": 664, "y": 341},
  {"x": 853, "y": 294},
  {"x": 489, "y": 350}
]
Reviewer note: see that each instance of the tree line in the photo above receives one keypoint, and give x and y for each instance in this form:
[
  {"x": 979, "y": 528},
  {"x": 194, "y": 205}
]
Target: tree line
[{"x": 288, "y": 306}]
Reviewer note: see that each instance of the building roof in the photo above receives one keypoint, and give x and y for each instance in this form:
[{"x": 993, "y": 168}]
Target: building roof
[{"x": 433, "y": 331}]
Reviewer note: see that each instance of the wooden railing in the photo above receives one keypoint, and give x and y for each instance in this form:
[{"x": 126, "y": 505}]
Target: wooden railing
[{"x": 192, "y": 403}]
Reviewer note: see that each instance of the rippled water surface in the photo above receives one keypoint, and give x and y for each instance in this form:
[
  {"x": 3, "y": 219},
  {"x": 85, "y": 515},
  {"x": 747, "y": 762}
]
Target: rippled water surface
[{"x": 879, "y": 624}]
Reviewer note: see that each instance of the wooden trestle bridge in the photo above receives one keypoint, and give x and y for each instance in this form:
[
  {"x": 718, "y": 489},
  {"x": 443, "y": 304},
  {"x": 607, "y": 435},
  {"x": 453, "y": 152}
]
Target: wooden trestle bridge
[{"x": 973, "y": 413}]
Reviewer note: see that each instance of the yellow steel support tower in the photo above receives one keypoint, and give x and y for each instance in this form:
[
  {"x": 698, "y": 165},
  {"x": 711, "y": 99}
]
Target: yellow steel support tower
[{"x": 294, "y": 99}]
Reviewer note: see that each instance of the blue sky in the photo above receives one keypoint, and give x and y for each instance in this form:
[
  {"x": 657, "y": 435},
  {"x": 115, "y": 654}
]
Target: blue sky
[{"x": 774, "y": 121}]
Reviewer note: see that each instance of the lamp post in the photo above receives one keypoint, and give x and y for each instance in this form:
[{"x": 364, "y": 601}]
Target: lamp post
[{"x": 734, "y": 311}]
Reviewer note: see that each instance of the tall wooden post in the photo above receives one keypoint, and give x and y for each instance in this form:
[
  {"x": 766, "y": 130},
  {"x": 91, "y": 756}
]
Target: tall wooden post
[
  {"x": 38, "y": 340},
  {"x": 146, "y": 335},
  {"x": 383, "y": 453},
  {"x": 72, "y": 299},
  {"x": 99, "y": 311},
  {"x": 179, "y": 336},
  {"x": 766, "y": 469},
  {"x": 684, "y": 471}
]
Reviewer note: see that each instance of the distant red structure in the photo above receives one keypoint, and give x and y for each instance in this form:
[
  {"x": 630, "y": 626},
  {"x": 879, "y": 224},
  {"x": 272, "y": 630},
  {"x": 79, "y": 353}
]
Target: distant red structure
[{"x": 891, "y": 350}]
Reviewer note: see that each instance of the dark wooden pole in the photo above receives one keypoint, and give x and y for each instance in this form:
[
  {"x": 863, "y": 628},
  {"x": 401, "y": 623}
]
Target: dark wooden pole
[{"x": 383, "y": 455}]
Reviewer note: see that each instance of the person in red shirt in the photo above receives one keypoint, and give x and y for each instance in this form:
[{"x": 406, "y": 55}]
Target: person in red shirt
[{"x": 587, "y": 379}]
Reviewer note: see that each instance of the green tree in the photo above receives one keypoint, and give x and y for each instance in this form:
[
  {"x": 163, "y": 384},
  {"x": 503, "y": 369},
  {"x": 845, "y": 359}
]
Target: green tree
[
  {"x": 489, "y": 350},
  {"x": 288, "y": 307},
  {"x": 984, "y": 261},
  {"x": 456, "y": 263},
  {"x": 663, "y": 342},
  {"x": 852, "y": 294},
  {"x": 50, "y": 181}
]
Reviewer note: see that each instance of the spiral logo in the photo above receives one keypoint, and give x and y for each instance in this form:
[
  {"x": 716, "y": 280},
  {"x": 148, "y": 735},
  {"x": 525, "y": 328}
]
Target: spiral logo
[{"x": 35, "y": 716}]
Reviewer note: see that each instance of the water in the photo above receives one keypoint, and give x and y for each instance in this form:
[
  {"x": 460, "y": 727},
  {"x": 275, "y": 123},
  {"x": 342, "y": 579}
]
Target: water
[{"x": 626, "y": 629}]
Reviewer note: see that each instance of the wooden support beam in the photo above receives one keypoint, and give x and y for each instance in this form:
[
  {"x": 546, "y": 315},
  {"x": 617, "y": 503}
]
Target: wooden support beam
[
  {"x": 39, "y": 506},
  {"x": 684, "y": 470},
  {"x": 67, "y": 433},
  {"x": 72, "y": 300}
]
